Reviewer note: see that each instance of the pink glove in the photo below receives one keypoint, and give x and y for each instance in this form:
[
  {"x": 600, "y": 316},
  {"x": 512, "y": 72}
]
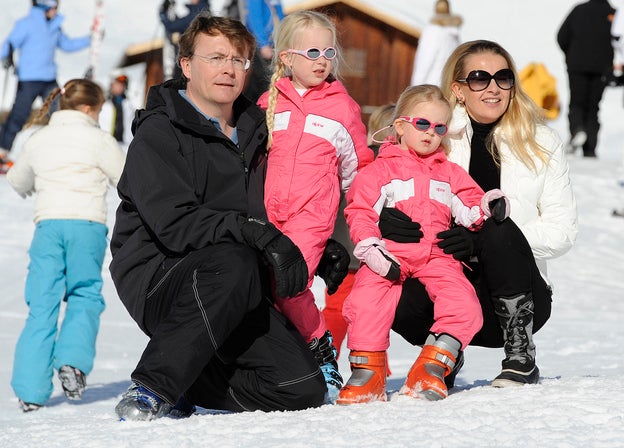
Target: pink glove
[
  {"x": 495, "y": 204},
  {"x": 372, "y": 251}
]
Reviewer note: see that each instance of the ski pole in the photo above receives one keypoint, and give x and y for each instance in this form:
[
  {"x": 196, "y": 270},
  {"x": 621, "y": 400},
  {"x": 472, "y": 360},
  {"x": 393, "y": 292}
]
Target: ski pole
[{"x": 7, "y": 65}]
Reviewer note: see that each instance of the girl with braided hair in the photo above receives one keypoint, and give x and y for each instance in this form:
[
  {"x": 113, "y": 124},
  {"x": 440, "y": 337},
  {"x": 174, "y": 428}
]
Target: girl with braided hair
[
  {"x": 68, "y": 164},
  {"x": 317, "y": 143}
]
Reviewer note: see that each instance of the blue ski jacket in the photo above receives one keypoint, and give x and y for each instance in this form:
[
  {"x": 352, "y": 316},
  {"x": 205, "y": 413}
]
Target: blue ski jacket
[
  {"x": 37, "y": 39},
  {"x": 261, "y": 17}
]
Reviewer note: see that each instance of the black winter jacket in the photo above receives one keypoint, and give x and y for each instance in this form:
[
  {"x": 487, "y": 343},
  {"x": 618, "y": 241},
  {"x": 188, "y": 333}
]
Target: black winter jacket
[
  {"x": 585, "y": 37},
  {"x": 185, "y": 186}
]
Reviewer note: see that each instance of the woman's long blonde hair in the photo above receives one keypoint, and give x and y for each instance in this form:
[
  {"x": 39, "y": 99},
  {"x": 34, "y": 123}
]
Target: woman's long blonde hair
[
  {"x": 285, "y": 38},
  {"x": 518, "y": 124}
]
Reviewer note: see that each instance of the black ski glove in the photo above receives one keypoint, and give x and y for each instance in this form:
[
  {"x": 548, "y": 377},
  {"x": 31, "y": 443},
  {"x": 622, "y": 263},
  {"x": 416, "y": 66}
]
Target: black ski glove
[
  {"x": 498, "y": 209},
  {"x": 7, "y": 63},
  {"x": 397, "y": 226},
  {"x": 289, "y": 267},
  {"x": 334, "y": 265},
  {"x": 458, "y": 241}
]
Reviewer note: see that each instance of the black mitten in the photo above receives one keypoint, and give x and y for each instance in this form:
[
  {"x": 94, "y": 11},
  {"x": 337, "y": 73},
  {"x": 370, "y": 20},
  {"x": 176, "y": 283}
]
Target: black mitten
[
  {"x": 397, "y": 226},
  {"x": 496, "y": 205},
  {"x": 334, "y": 265},
  {"x": 289, "y": 267},
  {"x": 498, "y": 209},
  {"x": 458, "y": 241}
]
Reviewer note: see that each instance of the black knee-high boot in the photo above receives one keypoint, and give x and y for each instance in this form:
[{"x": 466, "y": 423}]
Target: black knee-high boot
[{"x": 515, "y": 315}]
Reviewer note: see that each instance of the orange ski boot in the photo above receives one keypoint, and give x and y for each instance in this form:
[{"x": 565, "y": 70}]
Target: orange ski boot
[
  {"x": 368, "y": 378},
  {"x": 436, "y": 360}
]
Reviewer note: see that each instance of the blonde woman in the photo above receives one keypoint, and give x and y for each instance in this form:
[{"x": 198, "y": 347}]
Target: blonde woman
[{"x": 497, "y": 134}]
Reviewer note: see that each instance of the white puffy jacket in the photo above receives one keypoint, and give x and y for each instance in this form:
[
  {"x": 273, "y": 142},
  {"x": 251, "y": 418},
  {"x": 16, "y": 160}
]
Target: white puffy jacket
[
  {"x": 542, "y": 203},
  {"x": 68, "y": 163}
]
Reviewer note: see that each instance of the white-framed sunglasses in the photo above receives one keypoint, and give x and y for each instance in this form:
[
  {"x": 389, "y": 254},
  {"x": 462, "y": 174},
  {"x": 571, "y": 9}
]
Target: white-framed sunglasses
[{"x": 314, "y": 53}]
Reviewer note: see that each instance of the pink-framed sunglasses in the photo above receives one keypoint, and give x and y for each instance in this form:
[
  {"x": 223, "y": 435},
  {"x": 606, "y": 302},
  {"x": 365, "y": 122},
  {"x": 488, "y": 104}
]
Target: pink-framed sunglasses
[
  {"x": 314, "y": 53},
  {"x": 422, "y": 124}
]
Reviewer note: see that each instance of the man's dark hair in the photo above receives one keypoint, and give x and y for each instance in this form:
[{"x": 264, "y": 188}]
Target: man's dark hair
[{"x": 232, "y": 29}]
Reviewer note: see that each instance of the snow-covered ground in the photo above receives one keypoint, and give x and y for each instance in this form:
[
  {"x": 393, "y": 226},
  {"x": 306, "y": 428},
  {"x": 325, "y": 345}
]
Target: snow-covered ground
[{"x": 577, "y": 404}]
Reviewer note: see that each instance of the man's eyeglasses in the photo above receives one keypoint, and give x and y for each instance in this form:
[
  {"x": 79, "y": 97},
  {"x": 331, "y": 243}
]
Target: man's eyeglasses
[
  {"x": 218, "y": 61},
  {"x": 479, "y": 80},
  {"x": 422, "y": 124},
  {"x": 314, "y": 53}
]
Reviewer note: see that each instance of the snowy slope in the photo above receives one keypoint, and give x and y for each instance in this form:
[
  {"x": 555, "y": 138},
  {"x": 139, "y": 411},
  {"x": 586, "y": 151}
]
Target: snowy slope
[{"x": 577, "y": 404}]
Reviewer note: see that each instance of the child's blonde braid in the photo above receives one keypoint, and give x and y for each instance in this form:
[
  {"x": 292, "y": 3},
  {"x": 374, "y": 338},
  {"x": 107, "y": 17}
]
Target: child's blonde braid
[
  {"x": 270, "y": 113},
  {"x": 41, "y": 117}
]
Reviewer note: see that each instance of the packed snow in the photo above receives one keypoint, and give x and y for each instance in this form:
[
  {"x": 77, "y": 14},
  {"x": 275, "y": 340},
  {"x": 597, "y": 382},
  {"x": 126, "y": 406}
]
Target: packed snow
[{"x": 578, "y": 403}]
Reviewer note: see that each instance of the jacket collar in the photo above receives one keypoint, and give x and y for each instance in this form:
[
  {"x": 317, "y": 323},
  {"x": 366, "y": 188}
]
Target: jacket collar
[{"x": 390, "y": 150}]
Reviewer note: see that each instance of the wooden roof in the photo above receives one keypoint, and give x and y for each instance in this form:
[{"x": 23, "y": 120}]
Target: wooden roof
[
  {"x": 364, "y": 8},
  {"x": 137, "y": 53}
]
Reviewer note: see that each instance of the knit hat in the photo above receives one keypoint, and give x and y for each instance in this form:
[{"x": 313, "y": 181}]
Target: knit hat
[{"x": 46, "y": 4}]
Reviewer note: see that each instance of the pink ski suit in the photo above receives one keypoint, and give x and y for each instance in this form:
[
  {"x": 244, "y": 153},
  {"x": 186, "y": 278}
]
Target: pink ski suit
[
  {"x": 431, "y": 190},
  {"x": 319, "y": 144}
]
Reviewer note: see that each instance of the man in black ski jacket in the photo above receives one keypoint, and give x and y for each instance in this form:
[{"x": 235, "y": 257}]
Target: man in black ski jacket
[
  {"x": 191, "y": 247},
  {"x": 585, "y": 38}
]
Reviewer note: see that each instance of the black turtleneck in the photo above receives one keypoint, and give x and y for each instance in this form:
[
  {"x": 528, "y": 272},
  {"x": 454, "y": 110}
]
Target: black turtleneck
[{"x": 483, "y": 168}]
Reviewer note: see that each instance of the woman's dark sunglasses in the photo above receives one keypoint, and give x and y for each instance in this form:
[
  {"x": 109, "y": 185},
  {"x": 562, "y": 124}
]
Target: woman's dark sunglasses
[
  {"x": 422, "y": 124},
  {"x": 479, "y": 80}
]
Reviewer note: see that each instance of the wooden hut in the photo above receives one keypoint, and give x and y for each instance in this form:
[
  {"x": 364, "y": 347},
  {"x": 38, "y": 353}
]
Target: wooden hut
[
  {"x": 151, "y": 54},
  {"x": 378, "y": 49}
]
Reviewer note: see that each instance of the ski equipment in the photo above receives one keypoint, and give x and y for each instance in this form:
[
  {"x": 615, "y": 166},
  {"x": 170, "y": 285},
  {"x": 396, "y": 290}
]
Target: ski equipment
[
  {"x": 8, "y": 64},
  {"x": 97, "y": 36}
]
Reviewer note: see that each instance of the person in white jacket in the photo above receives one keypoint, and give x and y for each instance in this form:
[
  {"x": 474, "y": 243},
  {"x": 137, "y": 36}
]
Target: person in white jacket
[
  {"x": 118, "y": 111},
  {"x": 68, "y": 164},
  {"x": 437, "y": 41},
  {"x": 497, "y": 134}
]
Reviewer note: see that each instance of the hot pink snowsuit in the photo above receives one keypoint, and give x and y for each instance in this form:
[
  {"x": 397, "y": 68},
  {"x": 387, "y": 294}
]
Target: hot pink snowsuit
[
  {"x": 319, "y": 144},
  {"x": 432, "y": 191}
]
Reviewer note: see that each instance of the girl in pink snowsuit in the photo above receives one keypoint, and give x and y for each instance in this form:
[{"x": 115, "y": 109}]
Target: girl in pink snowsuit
[
  {"x": 317, "y": 144},
  {"x": 413, "y": 176}
]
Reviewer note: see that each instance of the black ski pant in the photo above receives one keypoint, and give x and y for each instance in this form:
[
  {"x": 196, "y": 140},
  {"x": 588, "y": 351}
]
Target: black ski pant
[
  {"x": 506, "y": 267},
  {"x": 586, "y": 91},
  {"x": 218, "y": 341}
]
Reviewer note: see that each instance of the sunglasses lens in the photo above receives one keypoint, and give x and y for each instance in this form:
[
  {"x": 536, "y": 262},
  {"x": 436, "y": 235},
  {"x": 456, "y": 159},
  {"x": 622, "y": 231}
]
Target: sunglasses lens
[
  {"x": 422, "y": 124},
  {"x": 313, "y": 53},
  {"x": 478, "y": 80},
  {"x": 330, "y": 53},
  {"x": 440, "y": 129},
  {"x": 504, "y": 78}
]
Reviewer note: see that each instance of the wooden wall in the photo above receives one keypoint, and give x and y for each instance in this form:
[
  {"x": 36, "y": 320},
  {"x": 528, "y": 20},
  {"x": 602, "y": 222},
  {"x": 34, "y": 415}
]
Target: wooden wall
[{"x": 378, "y": 58}]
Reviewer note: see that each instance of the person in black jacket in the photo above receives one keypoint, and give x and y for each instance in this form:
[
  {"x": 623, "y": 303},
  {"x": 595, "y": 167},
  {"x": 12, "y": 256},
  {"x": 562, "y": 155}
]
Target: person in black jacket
[
  {"x": 585, "y": 38},
  {"x": 175, "y": 25},
  {"x": 192, "y": 249}
]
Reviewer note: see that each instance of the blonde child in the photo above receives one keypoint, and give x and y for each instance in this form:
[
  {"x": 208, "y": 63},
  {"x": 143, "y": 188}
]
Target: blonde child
[
  {"x": 379, "y": 127},
  {"x": 317, "y": 144},
  {"x": 67, "y": 164},
  {"x": 413, "y": 176}
]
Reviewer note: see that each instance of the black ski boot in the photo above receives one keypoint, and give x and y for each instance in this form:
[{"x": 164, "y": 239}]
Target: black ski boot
[
  {"x": 325, "y": 354},
  {"x": 515, "y": 315}
]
